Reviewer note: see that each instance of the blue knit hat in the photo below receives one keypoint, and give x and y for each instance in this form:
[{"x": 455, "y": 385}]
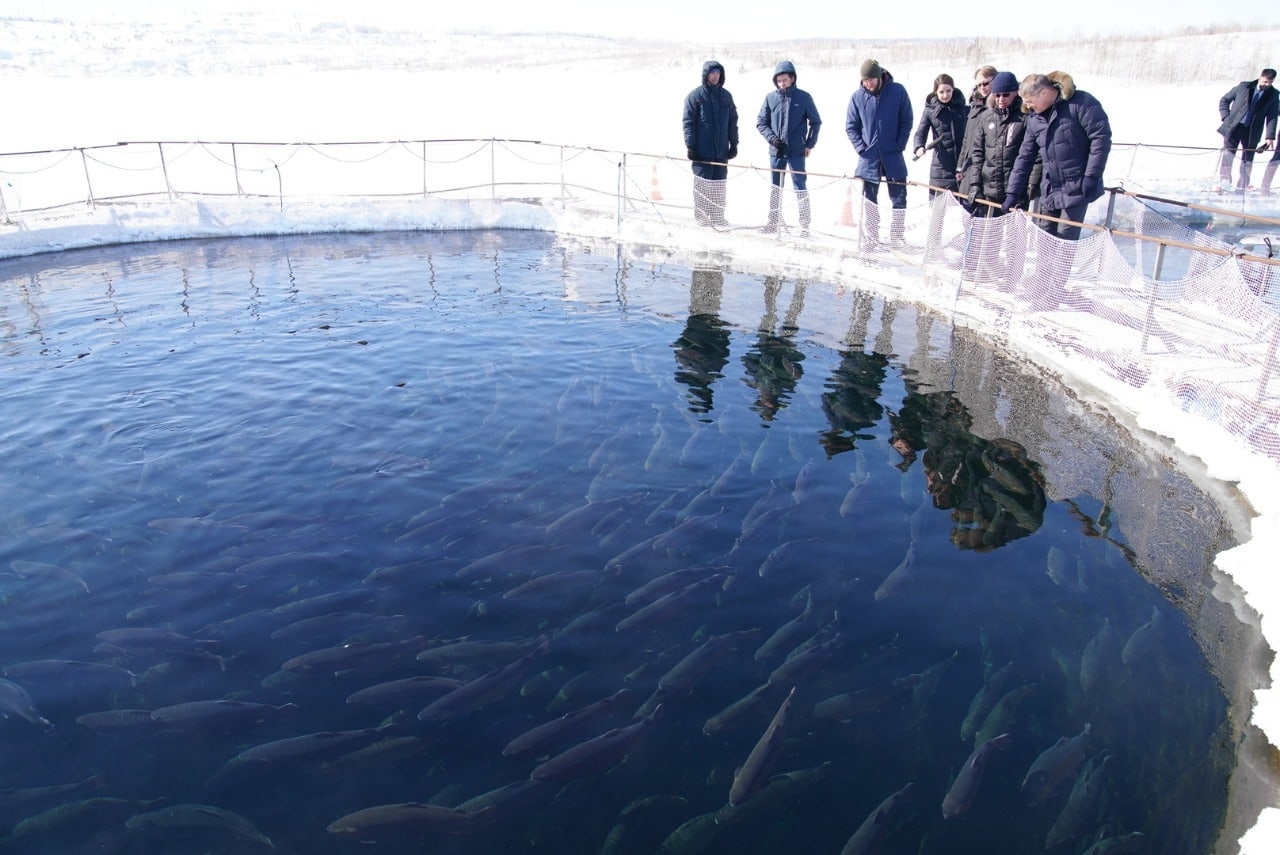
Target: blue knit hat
[{"x": 1003, "y": 82}]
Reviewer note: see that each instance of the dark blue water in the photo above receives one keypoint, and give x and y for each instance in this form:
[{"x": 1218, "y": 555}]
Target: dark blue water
[{"x": 319, "y": 465}]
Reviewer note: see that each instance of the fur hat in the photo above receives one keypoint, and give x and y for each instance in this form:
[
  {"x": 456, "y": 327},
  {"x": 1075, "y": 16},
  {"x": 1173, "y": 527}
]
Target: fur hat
[
  {"x": 1004, "y": 82},
  {"x": 871, "y": 68}
]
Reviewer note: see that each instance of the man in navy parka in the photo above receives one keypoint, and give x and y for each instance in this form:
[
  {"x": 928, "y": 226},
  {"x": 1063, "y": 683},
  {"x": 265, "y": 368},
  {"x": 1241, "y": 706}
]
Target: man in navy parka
[
  {"x": 1070, "y": 132},
  {"x": 711, "y": 141},
  {"x": 789, "y": 122},
  {"x": 879, "y": 123}
]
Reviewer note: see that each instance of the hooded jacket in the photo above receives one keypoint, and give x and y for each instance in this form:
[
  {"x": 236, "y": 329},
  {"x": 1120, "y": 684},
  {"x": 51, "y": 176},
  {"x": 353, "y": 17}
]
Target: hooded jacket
[
  {"x": 711, "y": 118},
  {"x": 947, "y": 122},
  {"x": 879, "y": 126},
  {"x": 1073, "y": 140},
  {"x": 997, "y": 138},
  {"x": 789, "y": 115},
  {"x": 977, "y": 103},
  {"x": 1233, "y": 106}
]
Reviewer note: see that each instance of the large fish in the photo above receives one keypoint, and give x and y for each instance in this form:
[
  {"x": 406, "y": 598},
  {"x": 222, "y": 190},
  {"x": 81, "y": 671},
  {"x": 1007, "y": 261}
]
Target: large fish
[
  {"x": 1120, "y": 844},
  {"x": 900, "y": 577},
  {"x": 665, "y": 607},
  {"x": 1099, "y": 654},
  {"x": 219, "y": 715},
  {"x": 742, "y": 708},
  {"x": 406, "y": 819},
  {"x": 660, "y": 586},
  {"x": 1079, "y": 815},
  {"x": 358, "y": 657},
  {"x": 295, "y": 751},
  {"x": 337, "y": 627},
  {"x": 801, "y": 665},
  {"x": 964, "y": 789},
  {"x": 15, "y": 702},
  {"x": 1145, "y": 640},
  {"x": 789, "y": 634},
  {"x": 595, "y": 755},
  {"x": 481, "y": 691},
  {"x": 870, "y": 836},
  {"x": 404, "y": 693},
  {"x": 993, "y": 688},
  {"x": 784, "y": 555},
  {"x": 1054, "y": 766},
  {"x": 1003, "y": 714},
  {"x": 755, "y": 771},
  {"x": 182, "y": 819},
  {"x": 848, "y": 705},
  {"x": 504, "y": 562},
  {"x": 478, "y": 653},
  {"x": 539, "y": 739}
]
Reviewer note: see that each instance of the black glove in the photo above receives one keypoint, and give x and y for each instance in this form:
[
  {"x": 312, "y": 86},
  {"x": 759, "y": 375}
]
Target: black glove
[
  {"x": 693, "y": 153},
  {"x": 780, "y": 147},
  {"x": 733, "y": 152},
  {"x": 1009, "y": 202}
]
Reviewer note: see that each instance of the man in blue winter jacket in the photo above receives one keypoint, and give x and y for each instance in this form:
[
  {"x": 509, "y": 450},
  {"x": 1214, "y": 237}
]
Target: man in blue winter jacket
[
  {"x": 1070, "y": 132},
  {"x": 789, "y": 122},
  {"x": 711, "y": 141},
  {"x": 878, "y": 123}
]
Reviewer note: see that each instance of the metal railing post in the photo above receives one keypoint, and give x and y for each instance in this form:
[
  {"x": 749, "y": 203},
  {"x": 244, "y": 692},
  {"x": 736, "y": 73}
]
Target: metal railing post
[
  {"x": 622, "y": 184},
  {"x": 235, "y": 167},
  {"x": 164, "y": 168},
  {"x": 84, "y": 161},
  {"x": 493, "y": 169},
  {"x": 1111, "y": 210},
  {"x": 425, "y": 194},
  {"x": 564, "y": 193},
  {"x": 1149, "y": 319}
]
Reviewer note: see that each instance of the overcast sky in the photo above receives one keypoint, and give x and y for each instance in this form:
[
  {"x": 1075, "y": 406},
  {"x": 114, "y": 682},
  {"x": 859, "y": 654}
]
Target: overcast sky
[{"x": 741, "y": 20}]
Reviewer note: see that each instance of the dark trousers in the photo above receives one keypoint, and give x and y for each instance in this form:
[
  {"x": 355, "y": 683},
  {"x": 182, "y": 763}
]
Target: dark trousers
[
  {"x": 1063, "y": 230},
  {"x": 1237, "y": 139},
  {"x": 897, "y": 192}
]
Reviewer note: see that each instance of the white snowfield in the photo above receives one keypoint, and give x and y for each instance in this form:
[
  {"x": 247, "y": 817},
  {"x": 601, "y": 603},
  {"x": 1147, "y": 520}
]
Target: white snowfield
[{"x": 616, "y": 109}]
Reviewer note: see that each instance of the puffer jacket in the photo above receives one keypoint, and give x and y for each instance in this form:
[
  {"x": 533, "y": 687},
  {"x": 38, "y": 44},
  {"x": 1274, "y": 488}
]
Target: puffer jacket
[
  {"x": 947, "y": 124},
  {"x": 997, "y": 138},
  {"x": 879, "y": 126},
  {"x": 977, "y": 103},
  {"x": 1072, "y": 139},
  {"x": 789, "y": 115},
  {"x": 711, "y": 118}
]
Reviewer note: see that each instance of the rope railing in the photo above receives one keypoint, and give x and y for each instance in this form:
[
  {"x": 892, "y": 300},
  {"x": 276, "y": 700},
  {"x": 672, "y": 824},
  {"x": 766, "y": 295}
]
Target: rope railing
[{"x": 1158, "y": 292}]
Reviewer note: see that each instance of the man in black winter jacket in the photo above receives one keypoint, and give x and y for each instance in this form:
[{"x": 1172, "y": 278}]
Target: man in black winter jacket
[
  {"x": 711, "y": 141},
  {"x": 1248, "y": 111}
]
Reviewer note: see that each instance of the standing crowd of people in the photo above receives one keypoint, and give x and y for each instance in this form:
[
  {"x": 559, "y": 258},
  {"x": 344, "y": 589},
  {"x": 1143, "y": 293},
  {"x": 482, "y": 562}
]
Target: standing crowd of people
[{"x": 1011, "y": 145}]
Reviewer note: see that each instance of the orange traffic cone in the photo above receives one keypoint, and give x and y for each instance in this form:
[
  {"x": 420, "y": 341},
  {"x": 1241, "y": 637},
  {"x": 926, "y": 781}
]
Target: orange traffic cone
[
  {"x": 846, "y": 212},
  {"x": 655, "y": 193}
]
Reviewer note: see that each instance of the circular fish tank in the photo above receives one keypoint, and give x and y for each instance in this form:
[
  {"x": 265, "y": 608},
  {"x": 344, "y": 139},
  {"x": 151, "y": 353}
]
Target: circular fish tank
[{"x": 497, "y": 542}]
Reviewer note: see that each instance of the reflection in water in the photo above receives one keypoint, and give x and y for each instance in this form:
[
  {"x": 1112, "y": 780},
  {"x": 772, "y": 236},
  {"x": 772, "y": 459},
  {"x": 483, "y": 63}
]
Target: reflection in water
[
  {"x": 702, "y": 351},
  {"x": 773, "y": 362},
  {"x": 995, "y": 494}
]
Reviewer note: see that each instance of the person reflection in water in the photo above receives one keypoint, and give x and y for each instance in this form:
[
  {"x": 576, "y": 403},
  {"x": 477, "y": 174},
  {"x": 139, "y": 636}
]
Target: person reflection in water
[
  {"x": 852, "y": 400},
  {"x": 702, "y": 351},
  {"x": 773, "y": 363},
  {"x": 994, "y": 492}
]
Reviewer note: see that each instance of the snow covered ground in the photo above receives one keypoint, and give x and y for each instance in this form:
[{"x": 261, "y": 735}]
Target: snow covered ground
[{"x": 82, "y": 89}]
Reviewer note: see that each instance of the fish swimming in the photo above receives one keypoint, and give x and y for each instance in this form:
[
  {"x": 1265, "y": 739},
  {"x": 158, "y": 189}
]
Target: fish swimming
[
  {"x": 406, "y": 819},
  {"x": 15, "y": 702},
  {"x": 751, "y": 777},
  {"x": 537, "y": 739},
  {"x": 964, "y": 789},
  {"x": 1055, "y": 765},
  {"x": 595, "y": 755},
  {"x": 869, "y": 838}
]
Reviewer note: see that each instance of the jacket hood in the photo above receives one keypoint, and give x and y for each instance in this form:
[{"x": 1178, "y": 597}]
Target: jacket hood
[
  {"x": 710, "y": 66},
  {"x": 1065, "y": 82},
  {"x": 784, "y": 67}
]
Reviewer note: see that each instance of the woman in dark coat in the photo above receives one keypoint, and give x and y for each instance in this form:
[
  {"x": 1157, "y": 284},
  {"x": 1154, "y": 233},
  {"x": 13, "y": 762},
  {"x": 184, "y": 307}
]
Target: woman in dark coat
[{"x": 944, "y": 117}]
